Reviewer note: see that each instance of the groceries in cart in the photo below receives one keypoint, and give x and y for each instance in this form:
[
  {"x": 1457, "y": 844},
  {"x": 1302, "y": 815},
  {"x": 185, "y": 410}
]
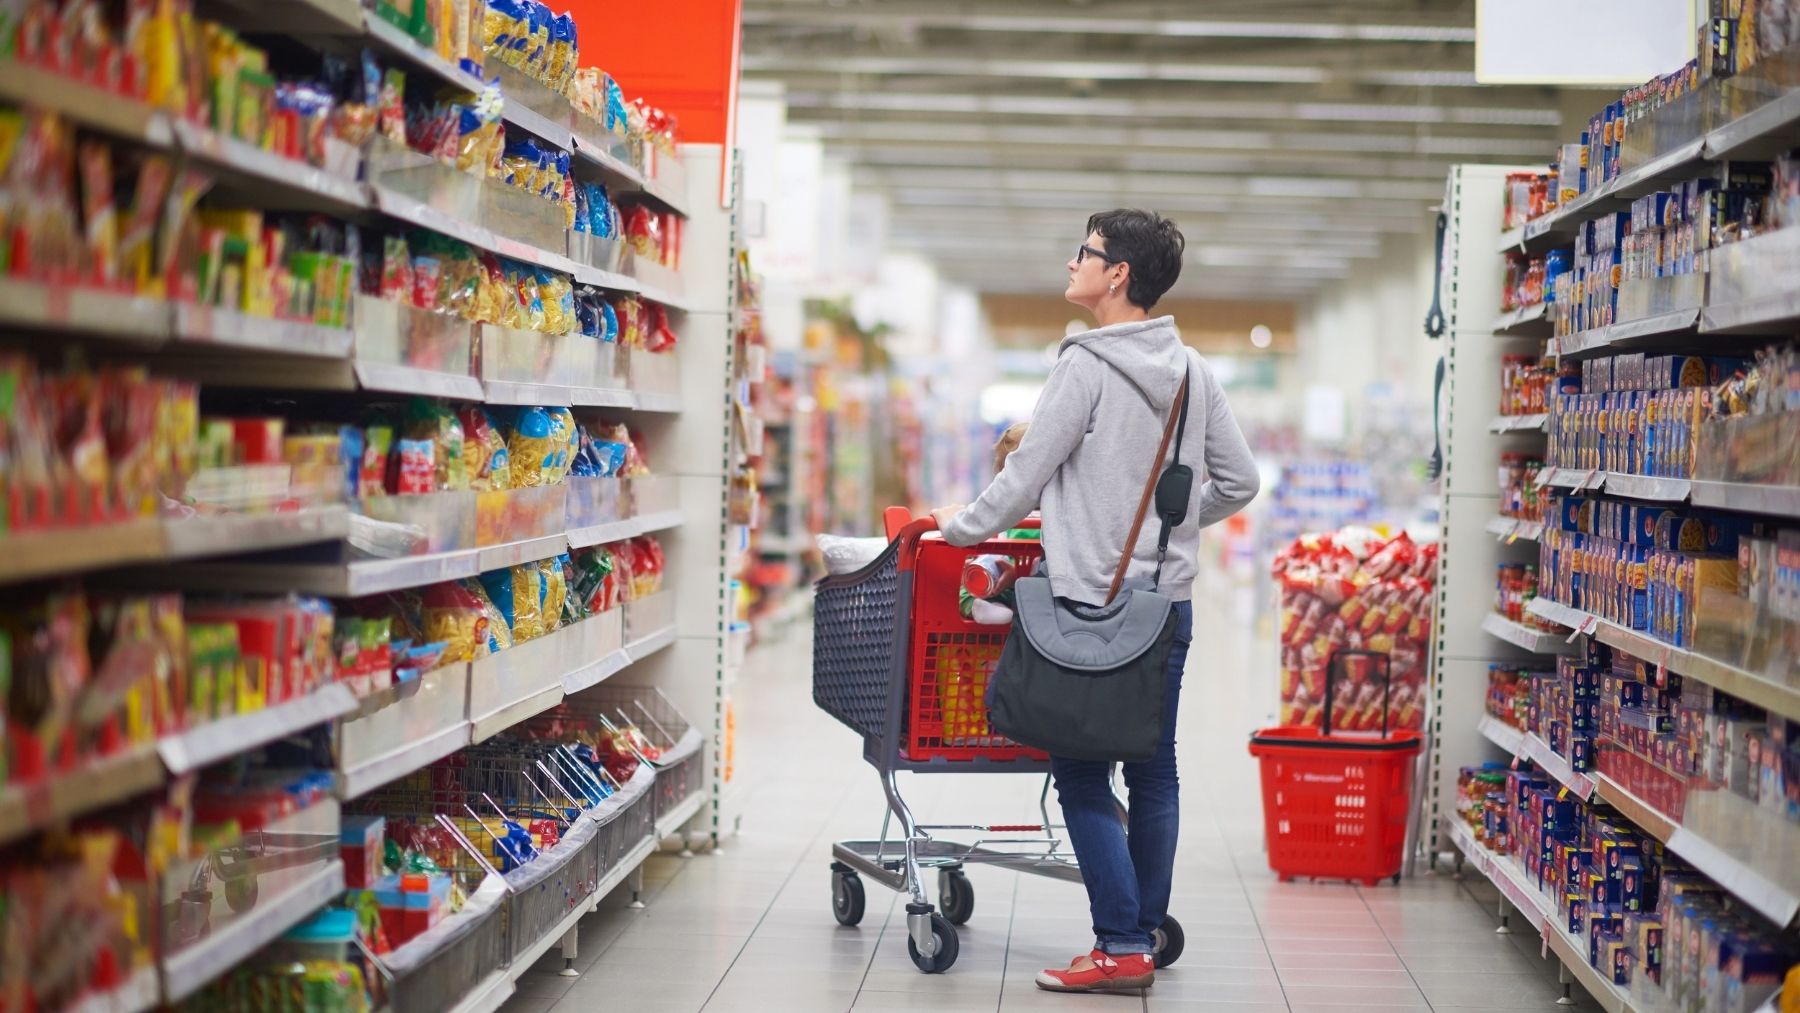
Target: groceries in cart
[{"x": 1351, "y": 590}]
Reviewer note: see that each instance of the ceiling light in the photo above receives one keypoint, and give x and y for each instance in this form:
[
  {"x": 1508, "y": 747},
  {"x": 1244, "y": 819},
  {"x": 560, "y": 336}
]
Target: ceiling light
[{"x": 1261, "y": 336}]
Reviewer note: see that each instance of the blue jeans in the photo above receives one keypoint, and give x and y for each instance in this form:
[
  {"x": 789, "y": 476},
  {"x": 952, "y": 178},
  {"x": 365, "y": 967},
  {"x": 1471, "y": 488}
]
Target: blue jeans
[{"x": 1129, "y": 876}]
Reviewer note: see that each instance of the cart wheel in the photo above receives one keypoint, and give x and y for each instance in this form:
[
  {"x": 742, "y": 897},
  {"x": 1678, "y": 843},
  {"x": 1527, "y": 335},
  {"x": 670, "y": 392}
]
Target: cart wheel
[
  {"x": 947, "y": 944},
  {"x": 1168, "y": 943},
  {"x": 956, "y": 896},
  {"x": 1396, "y": 879},
  {"x": 847, "y": 898},
  {"x": 240, "y": 893}
]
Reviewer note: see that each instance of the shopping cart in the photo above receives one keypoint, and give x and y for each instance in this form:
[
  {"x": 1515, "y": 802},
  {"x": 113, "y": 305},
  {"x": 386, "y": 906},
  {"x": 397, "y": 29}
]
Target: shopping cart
[
  {"x": 1335, "y": 806},
  {"x": 894, "y": 659}
]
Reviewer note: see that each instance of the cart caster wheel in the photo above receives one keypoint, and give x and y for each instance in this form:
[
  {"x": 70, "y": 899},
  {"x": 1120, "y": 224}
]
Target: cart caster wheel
[
  {"x": 847, "y": 898},
  {"x": 1396, "y": 879},
  {"x": 1167, "y": 944},
  {"x": 956, "y": 896},
  {"x": 947, "y": 944},
  {"x": 240, "y": 894}
]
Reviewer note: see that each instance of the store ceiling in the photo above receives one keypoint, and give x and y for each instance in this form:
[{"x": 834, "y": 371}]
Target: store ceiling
[{"x": 1287, "y": 137}]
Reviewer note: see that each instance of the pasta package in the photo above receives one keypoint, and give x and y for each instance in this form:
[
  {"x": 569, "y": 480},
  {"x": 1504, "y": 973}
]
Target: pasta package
[
  {"x": 517, "y": 592},
  {"x": 556, "y": 591}
]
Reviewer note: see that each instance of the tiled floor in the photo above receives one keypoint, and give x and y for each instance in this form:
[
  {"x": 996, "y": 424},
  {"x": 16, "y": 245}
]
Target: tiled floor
[{"x": 750, "y": 928}]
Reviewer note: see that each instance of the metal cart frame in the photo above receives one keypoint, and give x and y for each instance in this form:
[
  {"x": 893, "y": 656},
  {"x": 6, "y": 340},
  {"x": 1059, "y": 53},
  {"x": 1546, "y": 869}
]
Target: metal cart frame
[{"x": 862, "y": 656}]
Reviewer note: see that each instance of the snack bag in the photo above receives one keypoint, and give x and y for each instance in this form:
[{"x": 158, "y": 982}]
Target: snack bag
[
  {"x": 484, "y": 451},
  {"x": 457, "y": 618},
  {"x": 556, "y": 591},
  {"x": 515, "y": 591},
  {"x": 371, "y": 479},
  {"x": 499, "y": 631},
  {"x": 531, "y": 448}
]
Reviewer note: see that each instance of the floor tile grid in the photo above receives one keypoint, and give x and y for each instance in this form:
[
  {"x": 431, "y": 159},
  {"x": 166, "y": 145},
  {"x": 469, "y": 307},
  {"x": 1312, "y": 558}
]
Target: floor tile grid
[{"x": 750, "y": 929}]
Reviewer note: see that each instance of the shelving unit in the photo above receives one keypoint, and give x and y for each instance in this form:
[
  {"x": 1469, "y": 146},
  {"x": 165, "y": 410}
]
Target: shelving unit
[
  {"x": 1748, "y": 297},
  {"x": 673, "y": 643}
]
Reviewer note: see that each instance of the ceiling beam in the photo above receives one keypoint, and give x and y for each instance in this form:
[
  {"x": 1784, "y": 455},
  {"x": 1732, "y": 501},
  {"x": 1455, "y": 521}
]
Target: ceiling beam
[
  {"x": 1066, "y": 107},
  {"x": 1024, "y": 21},
  {"x": 1189, "y": 72},
  {"x": 1078, "y": 183},
  {"x": 940, "y": 135}
]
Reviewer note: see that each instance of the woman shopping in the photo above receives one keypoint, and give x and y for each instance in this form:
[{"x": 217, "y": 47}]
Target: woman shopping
[{"x": 1114, "y": 393}]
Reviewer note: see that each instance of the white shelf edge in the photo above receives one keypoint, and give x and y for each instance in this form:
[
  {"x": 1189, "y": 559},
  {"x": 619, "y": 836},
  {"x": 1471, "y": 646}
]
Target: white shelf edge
[
  {"x": 596, "y": 672},
  {"x": 188, "y": 971},
  {"x": 397, "y": 763},
  {"x": 659, "y": 521},
  {"x": 607, "y": 883},
  {"x": 488, "y": 995},
  {"x": 1774, "y": 500},
  {"x": 225, "y": 534},
  {"x": 227, "y": 737},
  {"x": 530, "y": 550},
  {"x": 1522, "y": 636},
  {"x": 1508, "y": 738},
  {"x": 671, "y": 822},
  {"x": 1518, "y": 891},
  {"x": 644, "y": 647}
]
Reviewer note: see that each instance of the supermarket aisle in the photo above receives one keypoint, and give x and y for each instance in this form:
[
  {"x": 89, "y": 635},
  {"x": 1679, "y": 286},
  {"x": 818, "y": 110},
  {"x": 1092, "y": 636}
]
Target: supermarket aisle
[{"x": 751, "y": 929}]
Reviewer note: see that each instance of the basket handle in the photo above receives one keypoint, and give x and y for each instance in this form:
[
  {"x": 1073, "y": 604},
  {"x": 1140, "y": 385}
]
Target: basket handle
[{"x": 1387, "y": 683}]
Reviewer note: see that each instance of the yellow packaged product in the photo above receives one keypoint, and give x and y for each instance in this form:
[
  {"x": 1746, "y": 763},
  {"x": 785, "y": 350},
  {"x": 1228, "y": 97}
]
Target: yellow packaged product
[{"x": 556, "y": 590}]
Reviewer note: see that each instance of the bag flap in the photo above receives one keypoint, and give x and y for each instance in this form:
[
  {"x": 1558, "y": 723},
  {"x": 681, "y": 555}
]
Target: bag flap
[{"x": 1101, "y": 642}]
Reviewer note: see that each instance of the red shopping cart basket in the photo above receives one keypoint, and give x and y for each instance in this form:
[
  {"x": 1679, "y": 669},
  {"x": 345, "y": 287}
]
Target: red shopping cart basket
[{"x": 1336, "y": 806}]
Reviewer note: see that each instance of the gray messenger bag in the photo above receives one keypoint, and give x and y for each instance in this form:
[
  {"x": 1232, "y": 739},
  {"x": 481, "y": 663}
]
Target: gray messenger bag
[{"x": 1090, "y": 683}]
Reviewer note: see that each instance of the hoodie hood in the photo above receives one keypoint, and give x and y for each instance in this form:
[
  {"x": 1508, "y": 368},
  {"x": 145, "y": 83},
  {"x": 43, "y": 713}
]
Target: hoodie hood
[{"x": 1148, "y": 352}]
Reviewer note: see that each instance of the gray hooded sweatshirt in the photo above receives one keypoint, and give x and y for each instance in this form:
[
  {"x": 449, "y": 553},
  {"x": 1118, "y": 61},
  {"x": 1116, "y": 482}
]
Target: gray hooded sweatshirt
[{"x": 1087, "y": 456}]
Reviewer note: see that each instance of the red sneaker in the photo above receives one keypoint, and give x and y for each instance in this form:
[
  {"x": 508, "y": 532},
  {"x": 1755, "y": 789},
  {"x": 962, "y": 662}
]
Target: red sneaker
[{"x": 1103, "y": 972}]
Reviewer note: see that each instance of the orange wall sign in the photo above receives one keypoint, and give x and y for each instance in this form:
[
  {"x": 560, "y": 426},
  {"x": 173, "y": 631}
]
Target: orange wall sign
[{"x": 679, "y": 55}]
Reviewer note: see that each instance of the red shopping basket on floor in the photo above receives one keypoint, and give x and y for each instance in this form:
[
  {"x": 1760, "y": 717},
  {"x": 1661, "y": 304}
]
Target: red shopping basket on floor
[{"x": 1336, "y": 806}]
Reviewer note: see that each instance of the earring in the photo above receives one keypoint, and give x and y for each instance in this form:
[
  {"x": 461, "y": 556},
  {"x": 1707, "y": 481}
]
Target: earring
[{"x": 1112, "y": 289}]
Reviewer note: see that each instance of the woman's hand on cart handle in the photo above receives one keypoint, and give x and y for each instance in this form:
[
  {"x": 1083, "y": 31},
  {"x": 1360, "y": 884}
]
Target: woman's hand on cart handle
[{"x": 943, "y": 515}]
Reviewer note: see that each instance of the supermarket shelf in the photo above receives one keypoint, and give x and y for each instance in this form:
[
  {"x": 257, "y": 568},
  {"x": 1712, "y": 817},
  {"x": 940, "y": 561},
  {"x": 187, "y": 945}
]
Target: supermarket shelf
[
  {"x": 1519, "y": 423},
  {"x": 1508, "y": 738},
  {"x": 223, "y": 328},
  {"x": 1773, "y": 500},
  {"x": 1558, "y": 227},
  {"x": 1647, "y": 487},
  {"x": 25, "y": 808},
  {"x": 224, "y": 534},
  {"x": 609, "y": 882},
  {"x": 596, "y": 672},
  {"x": 489, "y": 995},
  {"x": 274, "y": 176},
  {"x": 530, "y": 550},
  {"x": 661, "y": 521},
  {"x": 1520, "y": 635},
  {"x": 74, "y": 550},
  {"x": 395, "y": 41},
  {"x": 507, "y": 392},
  {"x": 645, "y": 646},
  {"x": 1771, "y": 694},
  {"x": 84, "y": 104},
  {"x": 1571, "y": 478},
  {"x": 36, "y": 306},
  {"x": 137, "y": 994},
  {"x": 1761, "y": 133},
  {"x": 665, "y": 195},
  {"x": 1535, "y": 749},
  {"x": 414, "y": 755},
  {"x": 603, "y": 534},
  {"x": 671, "y": 822},
  {"x": 1517, "y": 888},
  {"x": 1530, "y": 322},
  {"x": 601, "y": 397},
  {"x": 601, "y": 156},
  {"x": 397, "y": 379},
  {"x": 1753, "y": 316},
  {"x": 1777, "y": 899},
  {"x": 188, "y": 971},
  {"x": 648, "y": 402},
  {"x": 1628, "y": 334},
  {"x": 217, "y": 740},
  {"x": 1512, "y": 529}
]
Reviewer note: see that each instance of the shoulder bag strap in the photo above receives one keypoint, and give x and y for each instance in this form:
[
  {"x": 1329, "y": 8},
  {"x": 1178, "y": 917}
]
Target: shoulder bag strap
[{"x": 1137, "y": 523}]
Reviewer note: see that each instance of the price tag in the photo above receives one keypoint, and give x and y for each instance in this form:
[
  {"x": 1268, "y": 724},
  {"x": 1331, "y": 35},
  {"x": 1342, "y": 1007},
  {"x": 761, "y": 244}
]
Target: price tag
[
  {"x": 1544, "y": 940},
  {"x": 1587, "y": 480},
  {"x": 1562, "y": 793},
  {"x": 1512, "y": 533},
  {"x": 1589, "y": 625}
]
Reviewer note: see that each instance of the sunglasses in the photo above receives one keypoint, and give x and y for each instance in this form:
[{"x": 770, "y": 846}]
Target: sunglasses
[{"x": 1087, "y": 251}]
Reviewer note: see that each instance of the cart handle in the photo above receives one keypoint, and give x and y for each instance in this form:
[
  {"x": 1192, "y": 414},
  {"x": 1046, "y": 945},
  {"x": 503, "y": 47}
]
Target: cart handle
[{"x": 906, "y": 532}]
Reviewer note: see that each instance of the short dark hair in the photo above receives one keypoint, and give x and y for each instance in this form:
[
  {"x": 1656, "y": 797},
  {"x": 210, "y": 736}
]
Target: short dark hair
[{"x": 1150, "y": 243}]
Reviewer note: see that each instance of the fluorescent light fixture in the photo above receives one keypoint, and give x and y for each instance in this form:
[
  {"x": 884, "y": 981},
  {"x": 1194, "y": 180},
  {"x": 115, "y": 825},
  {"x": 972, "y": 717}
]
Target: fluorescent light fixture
[
  {"x": 1093, "y": 70},
  {"x": 1261, "y": 336},
  {"x": 958, "y": 17},
  {"x": 1262, "y": 111}
]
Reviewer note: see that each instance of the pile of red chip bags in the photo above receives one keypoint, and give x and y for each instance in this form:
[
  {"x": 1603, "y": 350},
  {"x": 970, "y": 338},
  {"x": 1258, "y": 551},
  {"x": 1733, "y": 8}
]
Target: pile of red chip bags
[{"x": 1354, "y": 590}]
